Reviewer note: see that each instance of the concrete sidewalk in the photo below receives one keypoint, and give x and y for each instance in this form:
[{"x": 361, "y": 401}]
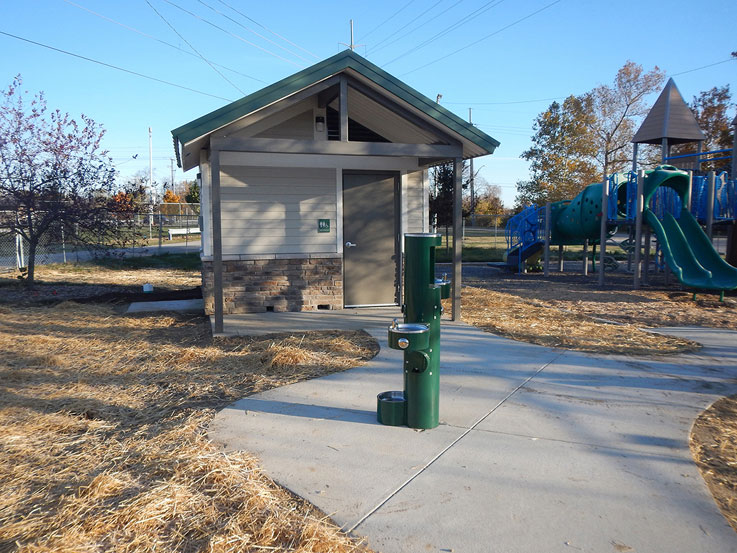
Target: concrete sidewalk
[{"x": 539, "y": 450}]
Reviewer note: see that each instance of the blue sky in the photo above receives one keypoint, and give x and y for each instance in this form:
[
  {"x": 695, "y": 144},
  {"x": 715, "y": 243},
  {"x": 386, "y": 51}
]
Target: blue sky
[{"x": 520, "y": 56}]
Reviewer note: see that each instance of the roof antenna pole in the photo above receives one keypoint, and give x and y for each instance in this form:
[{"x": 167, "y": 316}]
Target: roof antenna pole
[{"x": 352, "y": 46}]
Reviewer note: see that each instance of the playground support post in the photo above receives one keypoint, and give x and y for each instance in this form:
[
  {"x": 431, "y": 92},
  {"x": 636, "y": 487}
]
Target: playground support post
[
  {"x": 733, "y": 172},
  {"x": 602, "y": 233},
  {"x": 646, "y": 262},
  {"x": 638, "y": 226},
  {"x": 711, "y": 186},
  {"x": 634, "y": 157},
  {"x": 547, "y": 240},
  {"x": 560, "y": 258},
  {"x": 585, "y": 257}
]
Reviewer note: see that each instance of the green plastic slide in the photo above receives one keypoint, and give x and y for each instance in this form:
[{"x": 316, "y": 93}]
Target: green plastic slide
[
  {"x": 690, "y": 254},
  {"x": 686, "y": 247}
]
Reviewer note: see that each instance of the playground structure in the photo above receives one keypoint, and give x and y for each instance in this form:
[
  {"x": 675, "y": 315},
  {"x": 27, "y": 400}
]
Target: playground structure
[{"x": 672, "y": 203}]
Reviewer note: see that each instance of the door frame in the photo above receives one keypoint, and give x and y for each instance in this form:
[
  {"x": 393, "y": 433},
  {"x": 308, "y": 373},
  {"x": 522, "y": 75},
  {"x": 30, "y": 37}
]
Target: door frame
[{"x": 396, "y": 175}]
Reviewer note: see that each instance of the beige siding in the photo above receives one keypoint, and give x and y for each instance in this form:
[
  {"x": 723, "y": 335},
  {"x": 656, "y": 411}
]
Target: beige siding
[
  {"x": 416, "y": 213},
  {"x": 294, "y": 118},
  {"x": 268, "y": 210},
  {"x": 298, "y": 128}
]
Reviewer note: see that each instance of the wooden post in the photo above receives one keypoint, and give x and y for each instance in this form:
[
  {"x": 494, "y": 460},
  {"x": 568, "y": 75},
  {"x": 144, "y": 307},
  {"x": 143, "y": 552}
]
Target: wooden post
[
  {"x": 602, "y": 231},
  {"x": 457, "y": 237},
  {"x": 547, "y": 240},
  {"x": 217, "y": 240},
  {"x": 638, "y": 226},
  {"x": 343, "y": 104}
]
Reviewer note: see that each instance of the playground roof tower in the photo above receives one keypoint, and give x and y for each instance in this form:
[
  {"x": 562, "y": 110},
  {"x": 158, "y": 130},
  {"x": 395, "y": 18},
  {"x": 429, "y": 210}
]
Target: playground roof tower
[{"x": 669, "y": 118}]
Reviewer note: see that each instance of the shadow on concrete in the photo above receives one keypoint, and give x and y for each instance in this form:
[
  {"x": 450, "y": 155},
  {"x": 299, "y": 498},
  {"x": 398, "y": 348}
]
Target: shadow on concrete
[{"x": 292, "y": 409}]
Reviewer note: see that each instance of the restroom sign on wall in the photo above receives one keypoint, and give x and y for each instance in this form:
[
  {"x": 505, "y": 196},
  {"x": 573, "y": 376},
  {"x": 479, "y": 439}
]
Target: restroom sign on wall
[{"x": 323, "y": 225}]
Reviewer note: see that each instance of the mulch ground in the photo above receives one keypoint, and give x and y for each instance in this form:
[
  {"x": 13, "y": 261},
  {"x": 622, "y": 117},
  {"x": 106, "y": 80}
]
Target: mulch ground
[{"x": 103, "y": 422}]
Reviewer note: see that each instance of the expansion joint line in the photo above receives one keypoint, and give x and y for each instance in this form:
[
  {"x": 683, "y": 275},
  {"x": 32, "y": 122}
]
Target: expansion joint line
[{"x": 449, "y": 446}]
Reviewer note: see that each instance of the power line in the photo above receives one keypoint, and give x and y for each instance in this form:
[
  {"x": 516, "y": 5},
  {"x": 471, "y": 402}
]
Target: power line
[
  {"x": 506, "y": 103},
  {"x": 396, "y": 13},
  {"x": 462, "y": 21},
  {"x": 267, "y": 29},
  {"x": 528, "y": 16},
  {"x": 170, "y": 45},
  {"x": 226, "y": 79},
  {"x": 702, "y": 67},
  {"x": 238, "y": 37},
  {"x": 251, "y": 30},
  {"x": 404, "y": 33},
  {"x": 555, "y": 98},
  {"x": 113, "y": 66}
]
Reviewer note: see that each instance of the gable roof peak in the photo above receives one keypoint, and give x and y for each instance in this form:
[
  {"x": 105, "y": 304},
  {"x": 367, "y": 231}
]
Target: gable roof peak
[
  {"x": 671, "y": 118},
  {"x": 200, "y": 128}
]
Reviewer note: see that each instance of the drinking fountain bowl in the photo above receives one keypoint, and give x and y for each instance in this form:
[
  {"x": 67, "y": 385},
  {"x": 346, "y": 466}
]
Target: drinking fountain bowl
[{"x": 409, "y": 336}]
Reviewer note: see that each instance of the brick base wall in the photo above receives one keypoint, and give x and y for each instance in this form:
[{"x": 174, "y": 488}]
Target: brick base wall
[{"x": 258, "y": 285}]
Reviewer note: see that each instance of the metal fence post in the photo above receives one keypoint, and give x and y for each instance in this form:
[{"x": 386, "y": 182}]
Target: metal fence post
[
  {"x": 547, "y": 239},
  {"x": 63, "y": 244},
  {"x": 19, "y": 257}
]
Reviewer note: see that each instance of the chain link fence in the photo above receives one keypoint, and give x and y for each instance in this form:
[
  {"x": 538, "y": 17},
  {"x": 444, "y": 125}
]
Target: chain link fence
[{"x": 167, "y": 222}]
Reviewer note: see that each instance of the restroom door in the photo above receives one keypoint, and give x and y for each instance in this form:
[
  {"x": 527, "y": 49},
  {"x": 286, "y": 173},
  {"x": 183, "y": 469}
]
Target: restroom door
[{"x": 370, "y": 239}]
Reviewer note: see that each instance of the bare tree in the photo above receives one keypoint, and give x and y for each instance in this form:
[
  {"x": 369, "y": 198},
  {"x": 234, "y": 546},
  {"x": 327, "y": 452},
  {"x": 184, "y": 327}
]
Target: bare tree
[
  {"x": 55, "y": 177},
  {"x": 616, "y": 109}
]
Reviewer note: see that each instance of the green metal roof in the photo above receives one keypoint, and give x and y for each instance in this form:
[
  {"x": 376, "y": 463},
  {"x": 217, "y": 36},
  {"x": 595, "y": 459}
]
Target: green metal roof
[{"x": 322, "y": 70}]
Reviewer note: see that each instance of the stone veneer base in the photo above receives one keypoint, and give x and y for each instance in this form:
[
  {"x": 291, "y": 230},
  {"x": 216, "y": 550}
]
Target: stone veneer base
[{"x": 304, "y": 283}]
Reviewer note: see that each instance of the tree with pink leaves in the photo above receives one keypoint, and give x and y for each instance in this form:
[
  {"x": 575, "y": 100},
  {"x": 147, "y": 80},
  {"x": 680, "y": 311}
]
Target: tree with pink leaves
[{"x": 55, "y": 177}]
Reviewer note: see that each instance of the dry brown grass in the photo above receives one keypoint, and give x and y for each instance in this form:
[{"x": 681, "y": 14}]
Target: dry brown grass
[
  {"x": 93, "y": 274},
  {"x": 657, "y": 305},
  {"x": 538, "y": 322},
  {"x": 714, "y": 447},
  {"x": 102, "y": 434}
]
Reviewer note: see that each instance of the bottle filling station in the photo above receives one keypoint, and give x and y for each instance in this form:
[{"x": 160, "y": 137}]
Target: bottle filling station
[{"x": 418, "y": 337}]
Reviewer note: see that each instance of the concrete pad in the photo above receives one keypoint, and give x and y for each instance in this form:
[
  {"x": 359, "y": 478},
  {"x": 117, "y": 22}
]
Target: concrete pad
[
  {"x": 495, "y": 493},
  {"x": 304, "y": 431},
  {"x": 538, "y": 449},
  {"x": 167, "y": 305}
]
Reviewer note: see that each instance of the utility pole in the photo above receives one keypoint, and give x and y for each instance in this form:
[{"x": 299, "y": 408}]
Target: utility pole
[
  {"x": 150, "y": 165},
  {"x": 150, "y": 183},
  {"x": 171, "y": 163},
  {"x": 473, "y": 180}
]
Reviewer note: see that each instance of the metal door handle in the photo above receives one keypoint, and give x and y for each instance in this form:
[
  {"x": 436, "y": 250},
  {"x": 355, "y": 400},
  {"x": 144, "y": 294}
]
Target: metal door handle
[{"x": 350, "y": 245}]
